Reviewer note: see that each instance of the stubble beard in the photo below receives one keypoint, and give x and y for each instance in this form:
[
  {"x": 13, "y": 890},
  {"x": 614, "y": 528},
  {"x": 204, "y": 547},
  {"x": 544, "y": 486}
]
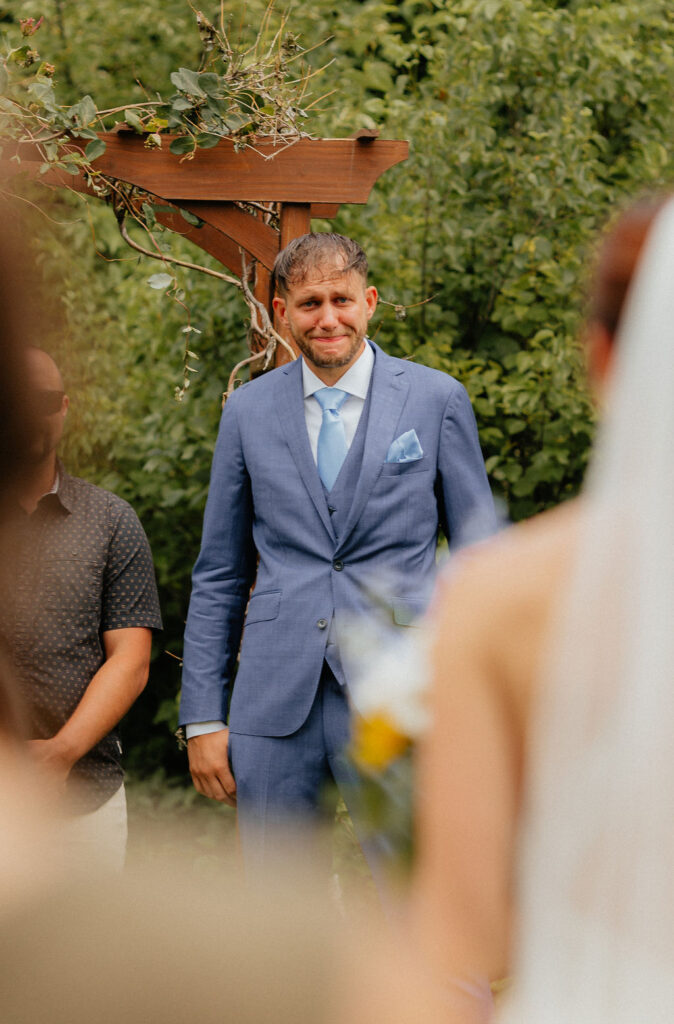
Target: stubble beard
[
  {"x": 39, "y": 450},
  {"x": 42, "y": 445},
  {"x": 323, "y": 360}
]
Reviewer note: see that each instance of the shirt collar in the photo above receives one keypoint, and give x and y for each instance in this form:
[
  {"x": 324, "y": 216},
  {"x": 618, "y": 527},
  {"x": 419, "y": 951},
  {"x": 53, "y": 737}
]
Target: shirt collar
[
  {"x": 64, "y": 489},
  {"x": 356, "y": 380},
  {"x": 61, "y": 493}
]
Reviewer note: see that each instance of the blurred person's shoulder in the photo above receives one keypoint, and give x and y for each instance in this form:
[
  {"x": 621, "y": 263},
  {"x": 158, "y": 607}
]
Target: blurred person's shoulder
[
  {"x": 517, "y": 562},
  {"x": 498, "y": 603}
]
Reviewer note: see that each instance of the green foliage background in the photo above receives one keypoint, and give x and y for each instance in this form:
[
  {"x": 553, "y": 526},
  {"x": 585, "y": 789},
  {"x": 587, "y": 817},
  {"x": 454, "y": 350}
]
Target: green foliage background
[{"x": 529, "y": 122}]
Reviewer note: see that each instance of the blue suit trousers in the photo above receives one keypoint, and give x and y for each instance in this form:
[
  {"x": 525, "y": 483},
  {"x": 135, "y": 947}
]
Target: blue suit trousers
[{"x": 282, "y": 781}]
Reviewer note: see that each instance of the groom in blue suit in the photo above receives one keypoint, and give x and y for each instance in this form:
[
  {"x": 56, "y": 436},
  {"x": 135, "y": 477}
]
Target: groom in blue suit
[{"x": 330, "y": 479}]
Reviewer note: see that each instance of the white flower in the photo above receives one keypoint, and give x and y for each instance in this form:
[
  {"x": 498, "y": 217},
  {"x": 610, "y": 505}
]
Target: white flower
[{"x": 394, "y": 681}]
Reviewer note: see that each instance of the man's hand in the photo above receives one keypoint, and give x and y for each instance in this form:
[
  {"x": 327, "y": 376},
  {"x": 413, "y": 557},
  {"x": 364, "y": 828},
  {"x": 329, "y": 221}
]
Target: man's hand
[
  {"x": 52, "y": 757},
  {"x": 209, "y": 766}
]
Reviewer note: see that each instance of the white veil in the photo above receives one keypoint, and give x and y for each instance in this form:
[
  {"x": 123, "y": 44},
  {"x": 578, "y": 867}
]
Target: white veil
[{"x": 596, "y": 933}]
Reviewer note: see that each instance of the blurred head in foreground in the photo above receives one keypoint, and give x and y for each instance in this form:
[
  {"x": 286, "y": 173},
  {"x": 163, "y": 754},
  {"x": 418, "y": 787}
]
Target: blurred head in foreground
[
  {"x": 616, "y": 261},
  {"x": 17, "y": 317},
  {"x": 47, "y": 403}
]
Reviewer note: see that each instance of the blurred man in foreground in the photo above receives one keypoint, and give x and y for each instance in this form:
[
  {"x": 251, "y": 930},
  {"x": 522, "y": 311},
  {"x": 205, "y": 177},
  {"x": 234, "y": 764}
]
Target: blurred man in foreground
[{"x": 78, "y": 608}]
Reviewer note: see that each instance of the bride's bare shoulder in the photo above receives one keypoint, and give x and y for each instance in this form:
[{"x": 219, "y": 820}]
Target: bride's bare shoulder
[
  {"x": 495, "y": 608},
  {"x": 518, "y": 559},
  {"x": 500, "y": 594}
]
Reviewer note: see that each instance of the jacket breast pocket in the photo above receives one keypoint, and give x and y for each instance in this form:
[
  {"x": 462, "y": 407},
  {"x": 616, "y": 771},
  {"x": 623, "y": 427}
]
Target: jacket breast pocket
[
  {"x": 263, "y": 607},
  {"x": 404, "y": 468}
]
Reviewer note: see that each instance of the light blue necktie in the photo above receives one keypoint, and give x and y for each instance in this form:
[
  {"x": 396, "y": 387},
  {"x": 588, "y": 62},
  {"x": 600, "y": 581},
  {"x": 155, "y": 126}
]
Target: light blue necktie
[{"x": 332, "y": 446}]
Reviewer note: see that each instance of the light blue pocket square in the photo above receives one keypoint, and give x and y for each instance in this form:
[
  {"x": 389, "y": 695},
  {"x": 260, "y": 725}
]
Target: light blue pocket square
[{"x": 405, "y": 448}]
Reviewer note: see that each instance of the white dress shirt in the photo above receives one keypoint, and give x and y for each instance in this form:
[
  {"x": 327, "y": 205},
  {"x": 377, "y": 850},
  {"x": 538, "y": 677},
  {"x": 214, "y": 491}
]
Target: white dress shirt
[{"x": 356, "y": 382}]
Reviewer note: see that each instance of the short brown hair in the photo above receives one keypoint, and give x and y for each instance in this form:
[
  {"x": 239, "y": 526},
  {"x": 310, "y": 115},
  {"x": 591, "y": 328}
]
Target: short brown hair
[{"x": 315, "y": 250}]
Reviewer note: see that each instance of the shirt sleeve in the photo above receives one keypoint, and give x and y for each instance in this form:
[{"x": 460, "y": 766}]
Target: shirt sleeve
[
  {"x": 129, "y": 587},
  {"x": 202, "y": 728}
]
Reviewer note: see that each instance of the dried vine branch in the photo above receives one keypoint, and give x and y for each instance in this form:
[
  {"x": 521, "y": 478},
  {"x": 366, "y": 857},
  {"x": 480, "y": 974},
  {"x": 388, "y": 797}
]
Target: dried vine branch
[
  {"x": 261, "y": 326},
  {"x": 258, "y": 311},
  {"x": 121, "y": 215},
  {"x": 233, "y": 377}
]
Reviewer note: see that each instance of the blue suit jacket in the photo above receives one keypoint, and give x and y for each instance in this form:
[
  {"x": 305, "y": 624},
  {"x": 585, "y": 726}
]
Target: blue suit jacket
[{"x": 266, "y": 501}]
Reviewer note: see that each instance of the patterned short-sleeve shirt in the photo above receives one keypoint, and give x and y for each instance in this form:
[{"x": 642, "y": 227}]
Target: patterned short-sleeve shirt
[{"x": 81, "y": 566}]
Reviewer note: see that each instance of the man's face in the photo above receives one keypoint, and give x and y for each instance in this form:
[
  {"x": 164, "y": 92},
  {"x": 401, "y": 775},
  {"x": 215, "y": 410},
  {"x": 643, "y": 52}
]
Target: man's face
[
  {"x": 327, "y": 314},
  {"x": 48, "y": 405}
]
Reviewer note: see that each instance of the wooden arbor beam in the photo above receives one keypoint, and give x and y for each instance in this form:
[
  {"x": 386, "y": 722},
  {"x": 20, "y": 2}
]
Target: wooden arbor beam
[
  {"x": 308, "y": 171},
  {"x": 311, "y": 177},
  {"x": 308, "y": 178}
]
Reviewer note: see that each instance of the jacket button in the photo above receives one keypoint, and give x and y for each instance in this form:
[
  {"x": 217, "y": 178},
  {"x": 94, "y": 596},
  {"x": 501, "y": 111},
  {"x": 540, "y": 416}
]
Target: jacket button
[
  {"x": 322, "y": 623},
  {"x": 338, "y": 565}
]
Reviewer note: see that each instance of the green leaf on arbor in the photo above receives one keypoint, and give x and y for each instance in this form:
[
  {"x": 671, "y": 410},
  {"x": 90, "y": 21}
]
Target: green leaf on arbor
[
  {"x": 214, "y": 107},
  {"x": 95, "y": 149},
  {"x": 4, "y": 78},
  {"x": 206, "y": 140},
  {"x": 132, "y": 119},
  {"x": 188, "y": 82},
  {"x": 83, "y": 113},
  {"x": 149, "y": 214},
  {"x": 43, "y": 92},
  {"x": 240, "y": 125},
  {"x": 181, "y": 103},
  {"x": 156, "y": 124},
  {"x": 210, "y": 83},
  {"x": 191, "y": 218},
  {"x": 183, "y": 144},
  {"x": 160, "y": 282}
]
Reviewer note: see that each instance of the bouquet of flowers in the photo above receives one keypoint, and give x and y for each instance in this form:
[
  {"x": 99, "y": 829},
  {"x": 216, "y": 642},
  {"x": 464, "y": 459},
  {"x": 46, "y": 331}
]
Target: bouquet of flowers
[{"x": 390, "y": 713}]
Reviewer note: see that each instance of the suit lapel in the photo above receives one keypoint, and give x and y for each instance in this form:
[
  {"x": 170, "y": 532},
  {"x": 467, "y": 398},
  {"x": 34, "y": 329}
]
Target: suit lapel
[
  {"x": 387, "y": 398},
  {"x": 290, "y": 410}
]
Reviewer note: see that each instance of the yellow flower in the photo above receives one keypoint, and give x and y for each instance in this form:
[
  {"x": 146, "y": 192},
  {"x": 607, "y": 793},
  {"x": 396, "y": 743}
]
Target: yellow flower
[{"x": 377, "y": 741}]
